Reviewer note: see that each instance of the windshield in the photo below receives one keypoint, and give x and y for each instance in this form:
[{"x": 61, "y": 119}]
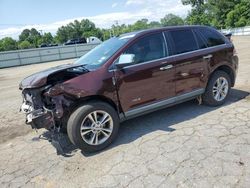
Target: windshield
[{"x": 100, "y": 54}]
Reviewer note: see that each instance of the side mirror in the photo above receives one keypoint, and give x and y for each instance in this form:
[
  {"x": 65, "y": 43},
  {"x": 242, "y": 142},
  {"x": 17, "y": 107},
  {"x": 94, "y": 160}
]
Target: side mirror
[{"x": 125, "y": 60}]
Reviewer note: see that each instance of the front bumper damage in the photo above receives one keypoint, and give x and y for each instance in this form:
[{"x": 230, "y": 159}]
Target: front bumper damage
[
  {"x": 42, "y": 112},
  {"x": 46, "y": 102},
  {"x": 40, "y": 118}
]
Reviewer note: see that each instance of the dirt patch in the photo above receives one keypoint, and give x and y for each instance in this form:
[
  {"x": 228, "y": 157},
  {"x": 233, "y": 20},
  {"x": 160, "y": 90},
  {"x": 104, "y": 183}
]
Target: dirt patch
[
  {"x": 248, "y": 98},
  {"x": 7, "y": 133}
]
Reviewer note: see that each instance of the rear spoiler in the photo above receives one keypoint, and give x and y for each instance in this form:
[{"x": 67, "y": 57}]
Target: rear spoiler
[{"x": 228, "y": 35}]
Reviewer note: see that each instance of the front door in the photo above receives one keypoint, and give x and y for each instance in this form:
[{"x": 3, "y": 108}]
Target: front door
[{"x": 151, "y": 78}]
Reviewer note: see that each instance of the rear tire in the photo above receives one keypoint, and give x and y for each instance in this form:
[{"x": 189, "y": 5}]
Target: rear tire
[
  {"x": 218, "y": 89},
  {"x": 93, "y": 126}
]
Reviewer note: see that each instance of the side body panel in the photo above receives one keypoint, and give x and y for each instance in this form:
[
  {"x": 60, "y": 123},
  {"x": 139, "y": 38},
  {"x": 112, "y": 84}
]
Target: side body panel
[
  {"x": 191, "y": 72},
  {"x": 98, "y": 83},
  {"x": 145, "y": 83}
]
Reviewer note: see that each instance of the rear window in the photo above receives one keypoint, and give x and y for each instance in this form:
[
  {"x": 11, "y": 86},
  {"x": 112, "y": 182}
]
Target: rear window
[
  {"x": 211, "y": 37},
  {"x": 184, "y": 41}
]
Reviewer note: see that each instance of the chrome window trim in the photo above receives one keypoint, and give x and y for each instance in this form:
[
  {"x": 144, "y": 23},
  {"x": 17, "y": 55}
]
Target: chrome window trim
[
  {"x": 163, "y": 103},
  {"x": 172, "y": 56},
  {"x": 166, "y": 45}
]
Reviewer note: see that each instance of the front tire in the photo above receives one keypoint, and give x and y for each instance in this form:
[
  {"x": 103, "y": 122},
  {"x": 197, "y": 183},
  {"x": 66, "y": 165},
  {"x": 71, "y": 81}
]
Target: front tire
[
  {"x": 93, "y": 126},
  {"x": 218, "y": 89}
]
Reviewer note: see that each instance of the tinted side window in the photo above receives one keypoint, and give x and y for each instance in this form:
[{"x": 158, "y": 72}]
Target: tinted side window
[
  {"x": 184, "y": 41},
  {"x": 148, "y": 48},
  {"x": 212, "y": 37},
  {"x": 200, "y": 41}
]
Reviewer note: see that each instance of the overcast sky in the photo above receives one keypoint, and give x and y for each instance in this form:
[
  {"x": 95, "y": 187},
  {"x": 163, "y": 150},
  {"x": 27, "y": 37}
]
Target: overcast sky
[{"x": 48, "y": 15}]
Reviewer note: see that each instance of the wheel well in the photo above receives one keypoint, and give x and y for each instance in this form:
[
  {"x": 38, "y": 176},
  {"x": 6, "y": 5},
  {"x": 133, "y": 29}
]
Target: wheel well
[
  {"x": 229, "y": 71},
  {"x": 80, "y": 101}
]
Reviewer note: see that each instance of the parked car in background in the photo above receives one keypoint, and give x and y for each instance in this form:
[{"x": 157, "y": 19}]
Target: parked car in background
[
  {"x": 76, "y": 41},
  {"x": 44, "y": 45},
  {"x": 93, "y": 40},
  {"x": 127, "y": 76},
  {"x": 51, "y": 45}
]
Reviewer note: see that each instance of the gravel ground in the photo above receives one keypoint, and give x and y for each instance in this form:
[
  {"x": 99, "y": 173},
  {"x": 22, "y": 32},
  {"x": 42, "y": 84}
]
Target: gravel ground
[{"x": 183, "y": 146}]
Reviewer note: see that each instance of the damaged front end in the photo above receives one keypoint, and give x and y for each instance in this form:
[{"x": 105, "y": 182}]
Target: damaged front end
[
  {"x": 43, "y": 111},
  {"x": 45, "y": 105}
]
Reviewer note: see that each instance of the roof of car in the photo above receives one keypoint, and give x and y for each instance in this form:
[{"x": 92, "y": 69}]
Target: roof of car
[{"x": 141, "y": 32}]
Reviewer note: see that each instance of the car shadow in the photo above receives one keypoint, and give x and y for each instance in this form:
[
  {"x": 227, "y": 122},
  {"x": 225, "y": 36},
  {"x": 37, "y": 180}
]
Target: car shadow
[{"x": 135, "y": 128}]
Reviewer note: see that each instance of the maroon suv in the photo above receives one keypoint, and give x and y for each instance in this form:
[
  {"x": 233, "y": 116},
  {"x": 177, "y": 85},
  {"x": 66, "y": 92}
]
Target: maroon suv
[{"x": 127, "y": 76}]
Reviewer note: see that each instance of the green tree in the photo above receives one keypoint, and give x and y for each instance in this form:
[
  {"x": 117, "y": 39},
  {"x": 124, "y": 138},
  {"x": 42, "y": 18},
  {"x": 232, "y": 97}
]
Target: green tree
[
  {"x": 1, "y": 46},
  {"x": 154, "y": 24},
  {"x": 24, "y": 35},
  {"x": 194, "y": 3},
  {"x": 199, "y": 17},
  {"x": 62, "y": 34},
  {"x": 118, "y": 29},
  {"x": 105, "y": 34},
  {"x": 75, "y": 29},
  {"x": 220, "y": 14},
  {"x": 88, "y": 28},
  {"x": 199, "y": 13},
  {"x": 171, "y": 19},
  {"x": 140, "y": 24},
  {"x": 239, "y": 16},
  {"x": 220, "y": 9},
  {"x": 84, "y": 28},
  {"x": 33, "y": 36},
  {"x": 46, "y": 38},
  {"x": 25, "y": 45},
  {"x": 7, "y": 44}
]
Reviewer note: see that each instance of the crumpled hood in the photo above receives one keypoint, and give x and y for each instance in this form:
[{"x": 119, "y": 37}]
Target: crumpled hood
[{"x": 39, "y": 79}]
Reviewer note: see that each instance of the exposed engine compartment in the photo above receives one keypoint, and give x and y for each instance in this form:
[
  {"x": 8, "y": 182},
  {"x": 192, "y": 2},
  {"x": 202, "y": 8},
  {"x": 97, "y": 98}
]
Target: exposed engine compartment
[
  {"x": 65, "y": 75},
  {"x": 43, "y": 110}
]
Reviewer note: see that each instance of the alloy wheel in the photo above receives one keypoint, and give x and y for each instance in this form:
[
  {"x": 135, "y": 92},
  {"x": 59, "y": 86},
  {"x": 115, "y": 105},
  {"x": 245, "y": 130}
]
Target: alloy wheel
[
  {"x": 96, "y": 127},
  {"x": 220, "y": 89}
]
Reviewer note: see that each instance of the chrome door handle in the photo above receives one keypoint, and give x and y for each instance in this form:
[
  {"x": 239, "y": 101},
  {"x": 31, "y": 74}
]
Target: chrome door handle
[
  {"x": 166, "y": 67},
  {"x": 184, "y": 74},
  {"x": 208, "y": 56}
]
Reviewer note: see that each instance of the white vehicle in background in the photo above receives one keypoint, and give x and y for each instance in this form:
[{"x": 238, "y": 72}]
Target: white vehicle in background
[
  {"x": 93, "y": 40},
  {"x": 83, "y": 40}
]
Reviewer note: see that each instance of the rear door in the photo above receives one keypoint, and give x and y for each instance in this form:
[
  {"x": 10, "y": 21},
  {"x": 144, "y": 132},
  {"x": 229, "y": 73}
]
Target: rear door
[
  {"x": 190, "y": 61},
  {"x": 151, "y": 78}
]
